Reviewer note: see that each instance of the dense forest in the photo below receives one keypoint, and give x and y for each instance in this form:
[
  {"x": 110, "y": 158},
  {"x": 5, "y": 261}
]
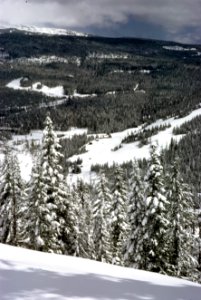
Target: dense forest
[
  {"x": 148, "y": 222},
  {"x": 109, "y": 85},
  {"x": 135, "y": 81}
]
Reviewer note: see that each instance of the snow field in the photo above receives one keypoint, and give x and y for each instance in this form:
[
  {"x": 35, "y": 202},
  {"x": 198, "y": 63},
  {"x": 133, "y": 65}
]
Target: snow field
[
  {"x": 31, "y": 275},
  {"x": 45, "y": 30},
  {"x": 56, "y": 92},
  {"x": 37, "y": 87},
  {"x": 101, "y": 150}
]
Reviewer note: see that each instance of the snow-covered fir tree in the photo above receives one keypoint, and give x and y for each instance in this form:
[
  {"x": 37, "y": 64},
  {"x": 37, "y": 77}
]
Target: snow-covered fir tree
[
  {"x": 51, "y": 175},
  {"x": 119, "y": 223},
  {"x": 36, "y": 226},
  {"x": 50, "y": 203},
  {"x": 69, "y": 221},
  {"x": 182, "y": 221},
  {"x": 79, "y": 248},
  {"x": 85, "y": 219},
  {"x": 156, "y": 218},
  {"x": 11, "y": 199},
  {"x": 135, "y": 251},
  {"x": 101, "y": 210}
]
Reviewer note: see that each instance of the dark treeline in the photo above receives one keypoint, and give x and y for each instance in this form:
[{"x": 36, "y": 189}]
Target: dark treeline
[{"x": 189, "y": 152}]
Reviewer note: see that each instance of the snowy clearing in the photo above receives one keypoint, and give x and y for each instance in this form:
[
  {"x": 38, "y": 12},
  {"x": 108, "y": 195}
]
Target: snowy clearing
[
  {"x": 178, "y": 48},
  {"x": 56, "y": 92},
  {"x": 32, "y": 275},
  {"x": 101, "y": 150},
  {"x": 107, "y": 56},
  {"x": 44, "y": 59},
  {"x": 78, "y": 95},
  {"x": 25, "y": 158},
  {"x": 47, "y": 59},
  {"x": 37, "y": 87},
  {"x": 38, "y": 134},
  {"x": 145, "y": 71},
  {"x": 105, "y": 148}
]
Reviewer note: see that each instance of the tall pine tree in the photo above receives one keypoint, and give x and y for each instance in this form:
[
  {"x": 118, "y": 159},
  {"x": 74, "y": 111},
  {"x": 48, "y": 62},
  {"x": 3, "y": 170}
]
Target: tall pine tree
[
  {"x": 135, "y": 250},
  {"x": 155, "y": 219},
  {"x": 50, "y": 213},
  {"x": 11, "y": 199},
  {"x": 85, "y": 219},
  {"x": 101, "y": 210},
  {"x": 119, "y": 224},
  {"x": 182, "y": 221}
]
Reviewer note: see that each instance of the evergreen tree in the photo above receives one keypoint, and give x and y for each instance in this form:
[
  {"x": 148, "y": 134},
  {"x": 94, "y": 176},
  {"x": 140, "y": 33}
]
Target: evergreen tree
[
  {"x": 51, "y": 175},
  {"x": 101, "y": 209},
  {"x": 36, "y": 221},
  {"x": 79, "y": 248},
  {"x": 118, "y": 217},
  {"x": 135, "y": 251},
  {"x": 50, "y": 215},
  {"x": 85, "y": 218},
  {"x": 70, "y": 228},
  {"x": 182, "y": 221},
  {"x": 156, "y": 220},
  {"x": 11, "y": 194}
]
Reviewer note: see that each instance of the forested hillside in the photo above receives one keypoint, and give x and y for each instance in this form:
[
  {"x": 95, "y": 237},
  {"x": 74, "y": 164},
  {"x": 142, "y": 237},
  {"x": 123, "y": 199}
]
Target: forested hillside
[
  {"x": 123, "y": 93},
  {"x": 133, "y": 80},
  {"x": 149, "y": 221}
]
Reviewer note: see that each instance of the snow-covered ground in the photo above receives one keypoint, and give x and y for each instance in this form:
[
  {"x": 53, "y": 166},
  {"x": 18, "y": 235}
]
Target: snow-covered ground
[
  {"x": 106, "y": 148},
  {"x": 46, "y": 59},
  {"x": 56, "y": 92},
  {"x": 179, "y": 48},
  {"x": 107, "y": 56},
  {"x": 25, "y": 158},
  {"x": 101, "y": 150},
  {"x": 37, "y": 135},
  {"x": 145, "y": 71},
  {"x": 44, "y": 30},
  {"x": 78, "y": 95},
  {"x": 32, "y": 275}
]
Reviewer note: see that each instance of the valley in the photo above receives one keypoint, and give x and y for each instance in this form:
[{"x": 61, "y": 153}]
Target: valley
[
  {"x": 108, "y": 86},
  {"x": 100, "y": 141}
]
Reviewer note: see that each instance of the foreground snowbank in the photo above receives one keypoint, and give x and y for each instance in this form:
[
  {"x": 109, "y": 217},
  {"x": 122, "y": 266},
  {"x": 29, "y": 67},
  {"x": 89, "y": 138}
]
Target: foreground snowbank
[{"x": 32, "y": 275}]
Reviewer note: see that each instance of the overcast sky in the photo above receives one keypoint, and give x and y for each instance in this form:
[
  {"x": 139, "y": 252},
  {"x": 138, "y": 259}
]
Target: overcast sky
[{"x": 178, "y": 20}]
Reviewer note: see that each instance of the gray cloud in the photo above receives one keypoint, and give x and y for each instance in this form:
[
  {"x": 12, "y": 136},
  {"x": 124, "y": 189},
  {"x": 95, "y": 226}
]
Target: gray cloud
[{"x": 174, "y": 16}]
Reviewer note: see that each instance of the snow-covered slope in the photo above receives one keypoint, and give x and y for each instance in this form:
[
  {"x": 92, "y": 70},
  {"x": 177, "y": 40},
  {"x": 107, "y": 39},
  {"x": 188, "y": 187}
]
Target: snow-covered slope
[
  {"x": 44, "y": 30},
  {"x": 55, "y": 92},
  {"x": 107, "y": 149},
  {"x": 110, "y": 149},
  {"x": 32, "y": 275}
]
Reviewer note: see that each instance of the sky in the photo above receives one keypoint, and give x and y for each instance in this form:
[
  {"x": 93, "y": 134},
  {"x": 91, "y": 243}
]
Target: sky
[{"x": 177, "y": 20}]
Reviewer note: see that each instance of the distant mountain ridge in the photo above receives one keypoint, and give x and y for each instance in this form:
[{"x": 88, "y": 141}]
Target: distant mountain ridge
[{"x": 43, "y": 30}]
